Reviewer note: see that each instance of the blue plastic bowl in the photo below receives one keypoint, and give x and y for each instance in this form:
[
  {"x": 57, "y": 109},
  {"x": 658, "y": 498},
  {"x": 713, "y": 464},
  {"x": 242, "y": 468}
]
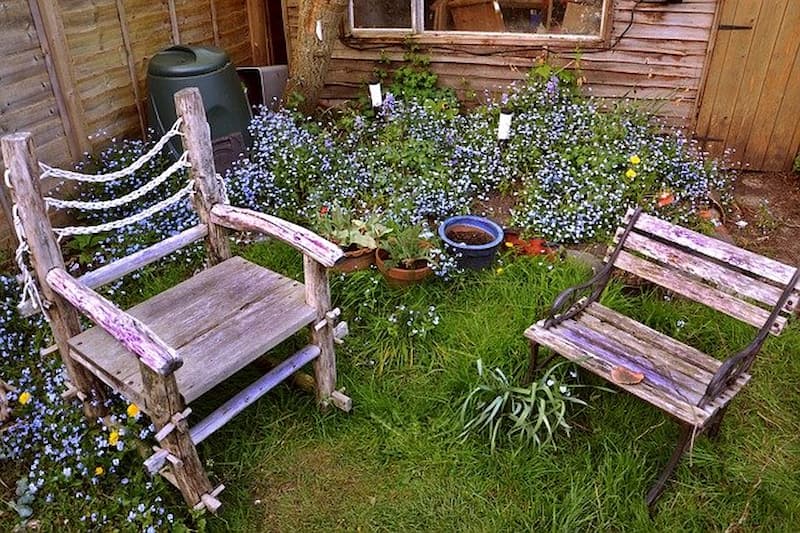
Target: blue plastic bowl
[{"x": 473, "y": 256}]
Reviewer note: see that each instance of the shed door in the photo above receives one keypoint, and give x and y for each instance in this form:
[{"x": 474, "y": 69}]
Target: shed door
[{"x": 751, "y": 101}]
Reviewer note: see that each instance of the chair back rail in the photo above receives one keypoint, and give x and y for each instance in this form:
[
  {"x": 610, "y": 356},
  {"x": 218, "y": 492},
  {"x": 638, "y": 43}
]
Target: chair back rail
[{"x": 739, "y": 283}]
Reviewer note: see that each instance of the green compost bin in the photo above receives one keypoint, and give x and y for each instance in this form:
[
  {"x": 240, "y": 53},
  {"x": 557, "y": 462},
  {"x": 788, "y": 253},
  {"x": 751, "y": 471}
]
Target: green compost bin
[{"x": 210, "y": 70}]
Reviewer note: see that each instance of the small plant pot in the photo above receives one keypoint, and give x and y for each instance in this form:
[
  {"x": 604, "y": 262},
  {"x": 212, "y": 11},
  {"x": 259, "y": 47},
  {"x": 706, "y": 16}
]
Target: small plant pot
[
  {"x": 471, "y": 239},
  {"x": 400, "y": 278},
  {"x": 354, "y": 260}
]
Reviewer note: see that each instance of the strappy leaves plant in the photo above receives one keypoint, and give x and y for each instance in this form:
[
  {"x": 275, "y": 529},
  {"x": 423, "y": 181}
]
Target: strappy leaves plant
[{"x": 531, "y": 414}]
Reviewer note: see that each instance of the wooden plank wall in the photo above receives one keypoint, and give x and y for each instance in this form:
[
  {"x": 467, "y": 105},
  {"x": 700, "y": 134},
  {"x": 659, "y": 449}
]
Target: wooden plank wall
[
  {"x": 74, "y": 71},
  {"x": 751, "y": 102},
  {"x": 660, "y": 59}
]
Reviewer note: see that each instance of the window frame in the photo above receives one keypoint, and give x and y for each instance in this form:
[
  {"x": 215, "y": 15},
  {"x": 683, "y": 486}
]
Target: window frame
[{"x": 419, "y": 34}]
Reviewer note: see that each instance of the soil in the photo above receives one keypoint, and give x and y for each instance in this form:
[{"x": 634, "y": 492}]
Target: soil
[
  {"x": 468, "y": 235},
  {"x": 765, "y": 217}
]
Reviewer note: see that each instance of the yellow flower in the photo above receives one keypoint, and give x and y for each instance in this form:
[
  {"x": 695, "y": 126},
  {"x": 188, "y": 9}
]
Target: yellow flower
[
  {"x": 635, "y": 160},
  {"x": 630, "y": 173},
  {"x": 113, "y": 438},
  {"x": 499, "y": 270},
  {"x": 509, "y": 244},
  {"x": 99, "y": 471},
  {"x": 132, "y": 410},
  {"x": 24, "y": 398}
]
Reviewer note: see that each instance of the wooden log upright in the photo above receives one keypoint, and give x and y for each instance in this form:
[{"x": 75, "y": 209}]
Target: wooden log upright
[
  {"x": 208, "y": 191},
  {"x": 163, "y": 401},
  {"x": 318, "y": 296},
  {"x": 19, "y": 156}
]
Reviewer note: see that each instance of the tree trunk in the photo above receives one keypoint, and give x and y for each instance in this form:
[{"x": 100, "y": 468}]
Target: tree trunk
[{"x": 317, "y": 31}]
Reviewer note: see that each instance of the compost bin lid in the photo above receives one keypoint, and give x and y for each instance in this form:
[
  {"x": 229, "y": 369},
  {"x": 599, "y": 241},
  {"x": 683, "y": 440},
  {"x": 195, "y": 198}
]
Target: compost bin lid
[{"x": 183, "y": 61}]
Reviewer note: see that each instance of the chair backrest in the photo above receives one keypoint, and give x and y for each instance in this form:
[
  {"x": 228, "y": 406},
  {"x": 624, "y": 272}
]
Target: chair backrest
[
  {"x": 737, "y": 282},
  {"x": 204, "y": 188}
]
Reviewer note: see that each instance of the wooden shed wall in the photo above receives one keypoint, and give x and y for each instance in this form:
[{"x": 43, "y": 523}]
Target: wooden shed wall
[
  {"x": 74, "y": 71},
  {"x": 659, "y": 59}
]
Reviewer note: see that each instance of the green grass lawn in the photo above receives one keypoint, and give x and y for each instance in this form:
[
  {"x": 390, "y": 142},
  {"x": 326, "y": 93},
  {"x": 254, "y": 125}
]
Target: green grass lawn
[{"x": 396, "y": 462}]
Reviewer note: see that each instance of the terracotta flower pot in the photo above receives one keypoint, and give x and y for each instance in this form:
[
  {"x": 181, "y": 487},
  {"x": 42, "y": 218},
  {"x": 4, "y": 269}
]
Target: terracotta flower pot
[
  {"x": 358, "y": 259},
  {"x": 401, "y": 277}
]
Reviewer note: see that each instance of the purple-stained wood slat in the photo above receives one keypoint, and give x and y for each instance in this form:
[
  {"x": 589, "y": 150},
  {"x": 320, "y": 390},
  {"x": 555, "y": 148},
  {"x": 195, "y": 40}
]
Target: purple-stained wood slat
[
  {"x": 720, "y": 275},
  {"x": 671, "y": 384},
  {"x": 722, "y": 251},
  {"x": 685, "y": 286},
  {"x": 130, "y": 332},
  {"x": 645, "y": 390},
  {"x": 308, "y": 242}
]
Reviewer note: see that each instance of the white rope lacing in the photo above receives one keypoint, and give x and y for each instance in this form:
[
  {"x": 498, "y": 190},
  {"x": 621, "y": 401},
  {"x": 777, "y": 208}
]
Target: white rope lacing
[
  {"x": 180, "y": 164},
  {"x": 127, "y": 221},
  {"x": 52, "y": 172},
  {"x": 30, "y": 291}
]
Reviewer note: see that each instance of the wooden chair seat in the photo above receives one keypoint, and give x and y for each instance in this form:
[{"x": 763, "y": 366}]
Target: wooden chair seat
[
  {"x": 676, "y": 376},
  {"x": 218, "y": 321}
]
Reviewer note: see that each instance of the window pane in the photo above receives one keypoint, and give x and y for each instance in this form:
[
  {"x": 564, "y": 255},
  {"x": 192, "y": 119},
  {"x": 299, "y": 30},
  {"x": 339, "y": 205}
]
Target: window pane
[
  {"x": 382, "y": 13},
  {"x": 575, "y": 17}
]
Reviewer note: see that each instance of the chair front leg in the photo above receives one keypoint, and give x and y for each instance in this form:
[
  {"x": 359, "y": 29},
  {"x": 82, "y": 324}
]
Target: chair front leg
[
  {"x": 318, "y": 296},
  {"x": 683, "y": 442},
  {"x": 164, "y": 402}
]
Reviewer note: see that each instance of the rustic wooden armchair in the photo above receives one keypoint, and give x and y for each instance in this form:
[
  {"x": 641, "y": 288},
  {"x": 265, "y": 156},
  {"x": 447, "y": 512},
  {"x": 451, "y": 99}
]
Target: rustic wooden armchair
[
  {"x": 693, "y": 388},
  {"x": 171, "y": 349}
]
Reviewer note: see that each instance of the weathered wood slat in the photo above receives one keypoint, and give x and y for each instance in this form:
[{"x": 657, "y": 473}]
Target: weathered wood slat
[
  {"x": 219, "y": 321},
  {"x": 130, "y": 332},
  {"x": 584, "y": 357},
  {"x": 758, "y": 265},
  {"x": 693, "y": 364},
  {"x": 725, "y": 278},
  {"x": 309, "y": 243},
  {"x": 612, "y": 351},
  {"x": 686, "y": 286},
  {"x": 223, "y": 414},
  {"x": 116, "y": 269}
]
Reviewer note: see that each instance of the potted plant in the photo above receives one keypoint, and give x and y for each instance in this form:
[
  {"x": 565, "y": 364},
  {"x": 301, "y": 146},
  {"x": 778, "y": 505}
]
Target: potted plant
[
  {"x": 356, "y": 237},
  {"x": 473, "y": 240},
  {"x": 405, "y": 257}
]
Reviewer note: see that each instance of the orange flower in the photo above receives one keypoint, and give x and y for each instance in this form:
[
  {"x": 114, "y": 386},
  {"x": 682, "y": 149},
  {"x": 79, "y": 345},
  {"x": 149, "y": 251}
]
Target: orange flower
[{"x": 324, "y": 210}]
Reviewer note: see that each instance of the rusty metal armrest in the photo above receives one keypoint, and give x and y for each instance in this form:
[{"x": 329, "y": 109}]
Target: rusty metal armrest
[
  {"x": 574, "y": 300},
  {"x": 737, "y": 364}
]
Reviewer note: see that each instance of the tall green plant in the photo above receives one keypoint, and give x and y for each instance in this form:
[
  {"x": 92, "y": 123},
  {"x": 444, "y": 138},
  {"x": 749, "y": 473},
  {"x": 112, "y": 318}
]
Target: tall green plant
[{"x": 533, "y": 414}]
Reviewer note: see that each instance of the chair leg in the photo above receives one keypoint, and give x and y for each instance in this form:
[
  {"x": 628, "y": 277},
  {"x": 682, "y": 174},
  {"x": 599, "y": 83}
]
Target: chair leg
[
  {"x": 683, "y": 442},
  {"x": 164, "y": 402},
  {"x": 532, "y": 363},
  {"x": 318, "y": 296},
  {"x": 714, "y": 426}
]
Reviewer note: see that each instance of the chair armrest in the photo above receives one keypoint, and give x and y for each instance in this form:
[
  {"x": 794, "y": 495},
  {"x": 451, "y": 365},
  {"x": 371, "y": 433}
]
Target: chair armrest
[
  {"x": 564, "y": 306},
  {"x": 735, "y": 365},
  {"x": 132, "y": 333},
  {"x": 307, "y": 242}
]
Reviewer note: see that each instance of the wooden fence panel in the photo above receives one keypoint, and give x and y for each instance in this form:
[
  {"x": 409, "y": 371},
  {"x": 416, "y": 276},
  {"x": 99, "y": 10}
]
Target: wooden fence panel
[{"x": 27, "y": 99}]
